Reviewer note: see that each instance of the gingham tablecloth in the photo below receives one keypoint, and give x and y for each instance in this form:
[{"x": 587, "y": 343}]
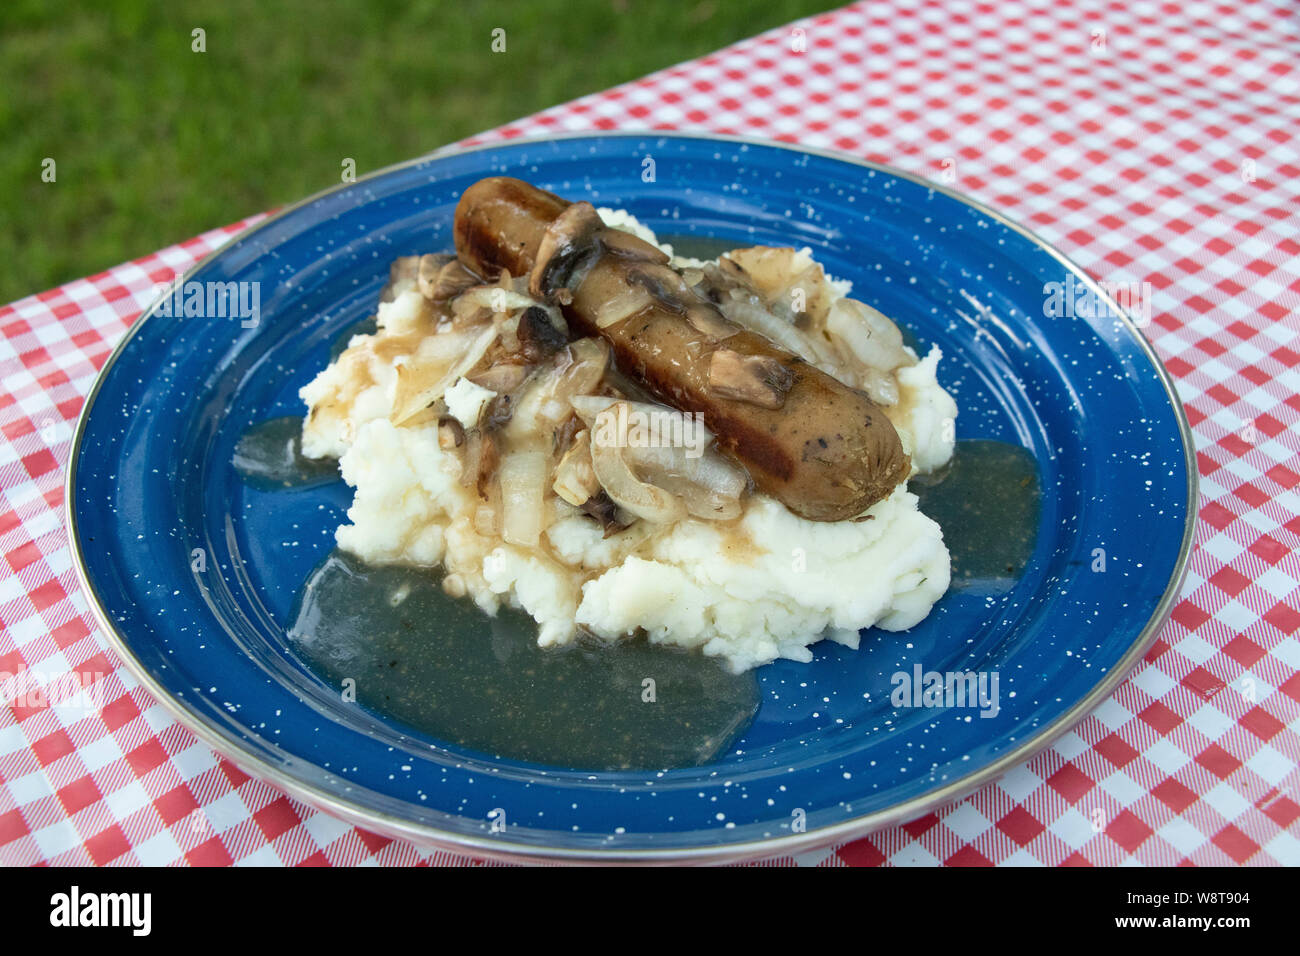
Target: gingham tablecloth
[{"x": 1152, "y": 142}]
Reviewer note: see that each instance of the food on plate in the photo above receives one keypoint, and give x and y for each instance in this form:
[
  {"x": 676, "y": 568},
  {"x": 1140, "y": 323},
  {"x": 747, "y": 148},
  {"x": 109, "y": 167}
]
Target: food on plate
[
  {"x": 823, "y": 449},
  {"x": 567, "y": 418}
]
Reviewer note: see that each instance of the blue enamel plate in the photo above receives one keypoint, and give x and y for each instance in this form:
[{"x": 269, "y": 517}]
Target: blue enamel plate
[{"x": 193, "y": 573}]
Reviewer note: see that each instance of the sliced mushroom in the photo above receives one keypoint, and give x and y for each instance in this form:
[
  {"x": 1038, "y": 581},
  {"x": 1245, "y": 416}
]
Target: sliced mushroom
[
  {"x": 539, "y": 335},
  {"x": 628, "y": 246},
  {"x": 733, "y": 270},
  {"x": 497, "y": 413},
  {"x": 563, "y": 435},
  {"x": 706, "y": 318},
  {"x": 757, "y": 379},
  {"x": 568, "y": 241},
  {"x": 443, "y": 277},
  {"x": 601, "y": 507},
  {"x": 664, "y": 283}
]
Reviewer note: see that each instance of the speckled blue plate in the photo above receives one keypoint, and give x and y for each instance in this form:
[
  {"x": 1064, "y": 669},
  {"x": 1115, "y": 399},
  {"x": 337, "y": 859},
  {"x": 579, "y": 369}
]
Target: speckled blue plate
[{"x": 828, "y": 756}]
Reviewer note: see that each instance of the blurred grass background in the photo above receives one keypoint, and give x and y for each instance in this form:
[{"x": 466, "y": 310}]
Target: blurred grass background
[{"x": 154, "y": 143}]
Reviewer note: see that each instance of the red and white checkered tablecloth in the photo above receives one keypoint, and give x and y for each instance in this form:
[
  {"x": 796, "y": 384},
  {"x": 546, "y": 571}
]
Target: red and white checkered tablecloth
[{"x": 1152, "y": 142}]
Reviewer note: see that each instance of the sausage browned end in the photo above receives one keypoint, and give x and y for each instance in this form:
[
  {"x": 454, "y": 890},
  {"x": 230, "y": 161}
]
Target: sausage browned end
[{"x": 827, "y": 453}]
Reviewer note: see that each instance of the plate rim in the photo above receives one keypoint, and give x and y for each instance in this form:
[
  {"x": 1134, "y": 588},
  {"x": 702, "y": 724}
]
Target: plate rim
[{"x": 502, "y": 849}]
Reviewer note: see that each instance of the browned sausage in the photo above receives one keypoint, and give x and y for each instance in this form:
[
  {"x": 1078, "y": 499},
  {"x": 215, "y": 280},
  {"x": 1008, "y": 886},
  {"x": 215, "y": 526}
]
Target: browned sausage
[{"x": 824, "y": 450}]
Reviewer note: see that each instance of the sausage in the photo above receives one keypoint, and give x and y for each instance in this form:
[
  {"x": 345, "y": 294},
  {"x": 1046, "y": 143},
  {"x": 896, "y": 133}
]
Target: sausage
[{"x": 821, "y": 448}]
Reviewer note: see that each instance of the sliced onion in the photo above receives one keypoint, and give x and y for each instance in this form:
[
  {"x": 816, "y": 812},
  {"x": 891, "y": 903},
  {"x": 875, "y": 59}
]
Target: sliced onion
[
  {"x": 776, "y": 272},
  {"x": 523, "y": 484},
  {"x": 706, "y": 485},
  {"x": 624, "y": 305},
  {"x": 629, "y": 492},
  {"x": 575, "y": 480},
  {"x": 465, "y": 313},
  {"x": 491, "y": 296},
  {"x": 584, "y": 365},
  {"x": 485, "y": 521},
  {"x": 510, "y": 334},
  {"x": 758, "y": 300},
  {"x": 881, "y": 387},
  {"x": 745, "y": 311},
  {"x": 709, "y": 485},
  {"x": 812, "y": 346},
  {"x": 868, "y": 335},
  {"x": 418, "y": 388},
  {"x": 575, "y": 370},
  {"x": 450, "y": 281},
  {"x": 591, "y": 407}
]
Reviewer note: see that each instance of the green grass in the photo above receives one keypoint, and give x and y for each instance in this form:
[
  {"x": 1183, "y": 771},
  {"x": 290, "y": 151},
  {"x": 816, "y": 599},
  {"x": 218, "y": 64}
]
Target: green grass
[{"x": 154, "y": 143}]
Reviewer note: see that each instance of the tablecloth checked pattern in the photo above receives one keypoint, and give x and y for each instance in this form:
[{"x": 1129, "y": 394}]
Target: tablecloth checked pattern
[{"x": 1152, "y": 142}]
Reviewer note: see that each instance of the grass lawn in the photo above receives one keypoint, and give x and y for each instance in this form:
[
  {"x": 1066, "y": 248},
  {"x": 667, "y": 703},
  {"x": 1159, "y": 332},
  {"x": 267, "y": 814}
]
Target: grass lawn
[{"x": 153, "y": 142}]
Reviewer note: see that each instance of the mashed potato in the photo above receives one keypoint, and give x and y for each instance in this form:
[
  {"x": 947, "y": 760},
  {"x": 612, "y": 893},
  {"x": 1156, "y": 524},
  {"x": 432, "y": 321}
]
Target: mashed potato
[{"x": 762, "y": 586}]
